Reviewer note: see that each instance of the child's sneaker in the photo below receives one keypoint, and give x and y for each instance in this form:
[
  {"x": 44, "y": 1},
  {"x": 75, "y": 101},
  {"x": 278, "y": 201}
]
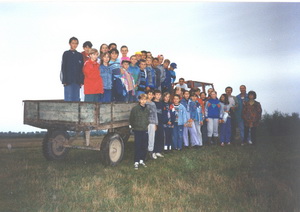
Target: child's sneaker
[
  {"x": 143, "y": 164},
  {"x": 228, "y": 143},
  {"x": 136, "y": 165},
  {"x": 154, "y": 156},
  {"x": 159, "y": 155},
  {"x": 250, "y": 142},
  {"x": 166, "y": 148},
  {"x": 222, "y": 144}
]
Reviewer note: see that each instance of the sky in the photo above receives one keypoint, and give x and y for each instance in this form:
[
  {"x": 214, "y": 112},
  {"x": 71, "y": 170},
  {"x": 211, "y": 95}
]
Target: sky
[{"x": 228, "y": 44}]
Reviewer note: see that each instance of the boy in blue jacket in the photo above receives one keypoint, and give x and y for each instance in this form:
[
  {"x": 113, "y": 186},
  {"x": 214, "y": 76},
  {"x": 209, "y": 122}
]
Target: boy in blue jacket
[{"x": 180, "y": 114}]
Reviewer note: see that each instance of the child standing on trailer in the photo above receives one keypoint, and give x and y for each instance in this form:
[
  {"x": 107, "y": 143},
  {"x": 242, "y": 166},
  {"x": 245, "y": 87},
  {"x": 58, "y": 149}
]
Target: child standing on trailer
[
  {"x": 225, "y": 125},
  {"x": 142, "y": 82},
  {"x": 159, "y": 133},
  {"x": 106, "y": 74},
  {"x": 167, "y": 118},
  {"x": 197, "y": 116},
  {"x": 190, "y": 127},
  {"x": 128, "y": 82},
  {"x": 153, "y": 122},
  {"x": 212, "y": 115},
  {"x": 139, "y": 121},
  {"x": 180, "y": 114}
]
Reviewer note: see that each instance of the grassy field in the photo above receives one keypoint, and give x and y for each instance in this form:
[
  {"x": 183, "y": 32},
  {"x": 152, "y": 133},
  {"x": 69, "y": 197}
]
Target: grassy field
[{"x": 264, "y": 177}]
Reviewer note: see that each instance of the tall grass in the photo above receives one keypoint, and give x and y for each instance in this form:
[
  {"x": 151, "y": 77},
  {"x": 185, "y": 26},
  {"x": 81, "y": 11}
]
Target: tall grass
[{"x": 264, "y": 177}]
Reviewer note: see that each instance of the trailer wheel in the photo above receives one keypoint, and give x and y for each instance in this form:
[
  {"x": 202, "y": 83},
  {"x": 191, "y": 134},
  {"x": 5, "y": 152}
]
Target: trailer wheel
[
  {"x": 53, "y": 145},
  {"x": 124, "y": 132},
  {"x": 112, "y": 149}
]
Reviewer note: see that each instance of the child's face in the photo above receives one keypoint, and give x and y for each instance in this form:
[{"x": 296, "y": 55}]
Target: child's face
[
  {"x": 194, "y": 98},
  {"x": 178, "y": 91},
  {"x": 133, "y": 61},
  {"x": 157, "y": 96},
  {"x": 144, "y": 56},
  {"x": 251, "y": 96},
  {"x": 114, "y": 55},
  {"x": 143, "y": 101},
  {"x": 176, "y": 100},
  {"x": 86, "y": 49},
  {"x": 104, "y": 49},
  {"x": 202, "y": 96},
  {"x": 113, "y": 47},
  {"x": 209, "y": 91},
  {"x": 166, "y": 64},
  {"x": 222, "y": 98},
  {"x": 167, "y": 98},
  {"x": 186, "y": 95},
  {"x": 94, "y": 56},
  {"x": 213, "y": 95},
  {"x": 142, "y": 65},
  {"x": 150, "y": 96},
  {"x": 149, "y": 62},
  {"x": 138, "y": 56},
  {"x": 125, "y": 65},
  {"x": 160, "y": 59},
  {"x": 155, "y": 63},
  {"x": 105, "y": 59},
  {"x": 124, "y": 51},
  {"x": 149, "y": 54},
  {"x": 73, "y": 44}
]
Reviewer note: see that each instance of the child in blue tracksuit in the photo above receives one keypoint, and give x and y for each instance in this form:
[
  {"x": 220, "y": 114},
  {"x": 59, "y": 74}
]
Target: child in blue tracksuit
[
  {"x": 225, "y": 125},
  {"x": 167, "y": 119},
  {"x": 212, "y": 116},
  {"x": 196, "y": 115},
  {"x": 190, "y": 127},
  {"x": 180, "y": 114}
]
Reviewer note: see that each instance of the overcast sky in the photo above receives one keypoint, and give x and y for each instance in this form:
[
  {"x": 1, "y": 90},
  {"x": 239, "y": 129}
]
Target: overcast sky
[{"x": 229, "y": 44}]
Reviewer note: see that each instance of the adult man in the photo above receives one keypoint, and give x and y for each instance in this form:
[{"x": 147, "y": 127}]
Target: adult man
[
  {"x": 233, "y": 105},
  {"x": 182, "y": 84},
  {"x": 241, "y": 98}
]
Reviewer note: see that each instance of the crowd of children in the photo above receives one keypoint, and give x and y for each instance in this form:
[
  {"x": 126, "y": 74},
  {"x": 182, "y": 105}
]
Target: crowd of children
[{"x": 165, "y": 119}]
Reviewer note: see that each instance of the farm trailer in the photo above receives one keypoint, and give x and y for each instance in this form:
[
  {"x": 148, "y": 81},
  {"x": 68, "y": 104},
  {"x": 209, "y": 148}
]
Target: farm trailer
[{"x": 60, "y": 117}]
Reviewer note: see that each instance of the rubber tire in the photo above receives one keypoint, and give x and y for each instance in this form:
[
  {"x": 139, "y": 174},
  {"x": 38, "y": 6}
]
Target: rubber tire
[
  {"x": 112, "y": 142},
  {"x": 124, "y": 132},
  {"x": 51, "y": 152}
]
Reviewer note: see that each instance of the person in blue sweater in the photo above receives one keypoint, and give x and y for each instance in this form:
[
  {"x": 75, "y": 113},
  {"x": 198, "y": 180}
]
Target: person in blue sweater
[
  {"x": 190, "y": 127},
  {"x": 212, "y": 116},
  {"x": 71, "y": 72},
  {"x": 150, "y": 74},
  {"x": 180, "y": 114},
  {"x": 142, "y": 82},
  {"x": 106, "y": 74}
]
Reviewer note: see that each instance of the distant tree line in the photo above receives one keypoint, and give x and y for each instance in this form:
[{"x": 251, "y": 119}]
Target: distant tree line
[{"x": 279, "y": 123}]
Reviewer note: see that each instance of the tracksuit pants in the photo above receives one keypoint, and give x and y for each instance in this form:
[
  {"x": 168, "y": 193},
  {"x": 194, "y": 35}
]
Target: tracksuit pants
[
  {"x": 225, "y": 131},
  {"x": 212, "y": 127},
  {"x": 168, "y": 138},
  {"x": 159, "y": 139},
  {"x": 199, "y": 134},
  {"x": 151, "y": 137},
  {"x": 195, "y": 140}
]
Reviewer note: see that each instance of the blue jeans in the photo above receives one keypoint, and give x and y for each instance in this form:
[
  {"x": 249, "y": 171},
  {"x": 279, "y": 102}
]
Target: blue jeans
[
  {"x": 225, "y": 131},
  {"x": 177, "y": 136},
  {"x": 168, "y": 137},
  {"x": 71, "y": 92},
  {"x": 106, "y": 97}
]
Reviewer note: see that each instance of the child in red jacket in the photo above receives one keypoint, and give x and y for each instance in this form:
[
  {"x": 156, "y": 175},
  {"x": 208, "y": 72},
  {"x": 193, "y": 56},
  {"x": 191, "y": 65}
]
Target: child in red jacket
[{"x": 93, "y": 85}]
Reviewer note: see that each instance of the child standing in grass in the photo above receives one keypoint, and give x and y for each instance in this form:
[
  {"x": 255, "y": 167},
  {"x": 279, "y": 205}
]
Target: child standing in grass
[
  {"x": 167, "y": 118},
  {"x": 197, "y": 116},
  {"x": 225, "y": 125},
  {"x": 251, "y": 115},
  {"x": 153, "y": 122},
  {"x": 139, "y": 121},
  {"x": 159, "y": 133},
  {"x": 212, "y": 115},
  {"x": 180, "y": 114}
]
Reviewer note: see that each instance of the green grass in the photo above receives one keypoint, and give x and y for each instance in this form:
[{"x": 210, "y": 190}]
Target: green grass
[{"x": 264, "y": 177}]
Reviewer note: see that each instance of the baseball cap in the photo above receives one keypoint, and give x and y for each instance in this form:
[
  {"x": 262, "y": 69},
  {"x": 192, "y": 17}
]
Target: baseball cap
[{"x": 173, "y": 65}]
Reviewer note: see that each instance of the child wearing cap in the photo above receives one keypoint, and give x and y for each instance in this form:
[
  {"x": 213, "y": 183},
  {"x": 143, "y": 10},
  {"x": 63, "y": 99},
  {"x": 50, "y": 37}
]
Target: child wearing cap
[{"x": 173, "y": 66}]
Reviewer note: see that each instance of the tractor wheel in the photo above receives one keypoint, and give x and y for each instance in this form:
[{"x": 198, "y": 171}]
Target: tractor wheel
[
  {"x": 53, "y": 145},
  {"x": 112, "y": 149}
]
